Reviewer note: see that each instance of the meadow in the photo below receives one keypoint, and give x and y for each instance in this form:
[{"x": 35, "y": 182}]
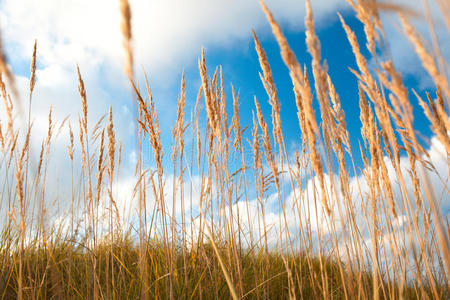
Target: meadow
[{"x": 203, "y": 227}]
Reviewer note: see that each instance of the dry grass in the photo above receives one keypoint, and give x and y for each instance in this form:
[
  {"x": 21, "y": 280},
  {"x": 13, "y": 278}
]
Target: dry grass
[{"x": 379, "y": 235}]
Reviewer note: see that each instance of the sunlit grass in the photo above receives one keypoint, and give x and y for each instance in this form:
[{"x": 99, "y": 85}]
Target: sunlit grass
[{"x": 212, "y": 234}]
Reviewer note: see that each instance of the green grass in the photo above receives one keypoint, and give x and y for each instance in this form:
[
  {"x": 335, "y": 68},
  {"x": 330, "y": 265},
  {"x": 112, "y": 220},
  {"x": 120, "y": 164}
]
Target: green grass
[{"x": 61, "y": 269}]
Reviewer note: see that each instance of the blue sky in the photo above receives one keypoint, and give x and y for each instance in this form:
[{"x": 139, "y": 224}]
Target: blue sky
[
  {"x": 168, "y": 37},
  {"x": 241, "y": 67},
  {"x": 177, "y": 44}
]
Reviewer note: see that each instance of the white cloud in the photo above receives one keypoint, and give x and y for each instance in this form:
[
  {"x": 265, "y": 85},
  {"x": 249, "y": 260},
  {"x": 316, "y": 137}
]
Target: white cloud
[
  {"x": 167, "y": 34},
  {"x": 300, "y": 213}
]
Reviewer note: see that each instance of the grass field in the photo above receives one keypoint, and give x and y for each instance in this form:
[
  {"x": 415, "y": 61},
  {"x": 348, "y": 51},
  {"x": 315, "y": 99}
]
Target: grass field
[{"x": 378, "y": 235}]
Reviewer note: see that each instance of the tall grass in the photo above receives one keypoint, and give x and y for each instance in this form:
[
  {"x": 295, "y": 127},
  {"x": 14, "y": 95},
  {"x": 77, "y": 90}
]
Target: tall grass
[{"x": 204, "y": 226}]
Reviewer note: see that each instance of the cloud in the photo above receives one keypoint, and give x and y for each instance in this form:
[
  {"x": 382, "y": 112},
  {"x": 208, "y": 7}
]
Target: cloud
[
  {"x": 304, "y": 222},
  {"x": 167, "y": 34}
]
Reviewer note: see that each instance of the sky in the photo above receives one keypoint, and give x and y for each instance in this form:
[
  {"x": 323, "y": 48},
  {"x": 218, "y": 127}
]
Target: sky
[{"x": 168, "y": 37}]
